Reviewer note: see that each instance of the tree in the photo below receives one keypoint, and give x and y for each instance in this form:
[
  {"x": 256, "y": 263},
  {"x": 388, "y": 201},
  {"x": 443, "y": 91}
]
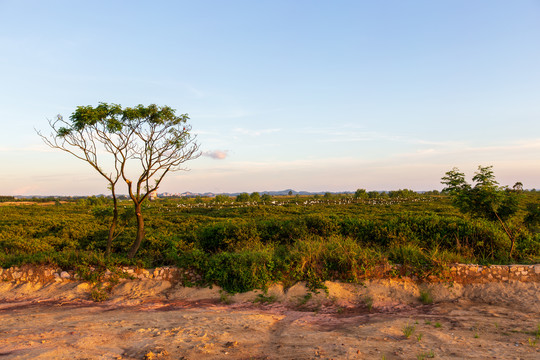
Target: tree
[
  {"x": 486, "y": 199},
  {"x": 402, "y": 193},
  {"x": 221, "y": 198},
  {"x": 255, "y": 196},
  {"x": 148, "y": 141},
  {"x": 373, "y": 194},
  {"x": 360, "y": 194},
  {"x": 198, "y": 199},
  {"x": 243, "y": 197},
  {"x": 90, "y": 133},
  {"x": 159, "y": 143}
]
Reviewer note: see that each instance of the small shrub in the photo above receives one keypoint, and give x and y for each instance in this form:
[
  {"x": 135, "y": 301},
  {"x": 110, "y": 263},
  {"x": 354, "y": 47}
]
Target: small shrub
[
  {"x": 98, "y": 294},
  {"x": 305, "y": 299},
  {"x": 265, "y": 299},
  {"x": 429, "y": 355},
  {"x": 224, "y": 297},
  {"x": 368, "y": 300},
  {"x": 425, "y": 297},
  {"x": 316, "y": 260},
  {"x": 408, "y": 330},
  {"x": 228, "y": 236},
  {"x": 240, "y": 271}
]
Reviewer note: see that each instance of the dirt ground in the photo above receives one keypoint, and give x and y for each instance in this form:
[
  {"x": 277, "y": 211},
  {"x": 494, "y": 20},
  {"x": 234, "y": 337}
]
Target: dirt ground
[{"x": 377, "y": 320}]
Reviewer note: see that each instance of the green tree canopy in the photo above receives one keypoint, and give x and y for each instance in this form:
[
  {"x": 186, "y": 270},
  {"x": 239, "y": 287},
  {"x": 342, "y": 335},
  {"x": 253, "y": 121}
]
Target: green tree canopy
[
  {"x": 243, "y": 197},
  {"x": 485, "y": 198},
  {"x": 145, "y": 144}
]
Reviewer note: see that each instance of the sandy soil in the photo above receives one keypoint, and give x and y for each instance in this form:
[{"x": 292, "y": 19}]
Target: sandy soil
[{"x": 156, "y": 320}]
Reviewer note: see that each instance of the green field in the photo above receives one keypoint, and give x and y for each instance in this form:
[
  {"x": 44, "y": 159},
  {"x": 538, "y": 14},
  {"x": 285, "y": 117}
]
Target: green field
[{"x": 246, "y": 245}]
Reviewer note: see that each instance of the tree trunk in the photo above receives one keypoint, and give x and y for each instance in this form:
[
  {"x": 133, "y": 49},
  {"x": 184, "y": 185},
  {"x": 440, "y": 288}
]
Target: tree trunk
[
  {"x": 512, "y": 238},
  {"x": 140, "y": 231},
  {"x": 113, "y": 224}
]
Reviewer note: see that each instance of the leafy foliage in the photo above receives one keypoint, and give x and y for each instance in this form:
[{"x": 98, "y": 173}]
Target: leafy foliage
[
  {"x": 486, "y": 199},
  {"x": 241, "y": 247}
]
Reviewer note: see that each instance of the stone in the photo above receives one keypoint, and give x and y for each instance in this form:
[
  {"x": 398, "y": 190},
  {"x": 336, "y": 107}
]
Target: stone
[
  {"x": 537, "y": 269},
  {"x": 16, "y": 275},
  {"x": 65, "y": 275}
]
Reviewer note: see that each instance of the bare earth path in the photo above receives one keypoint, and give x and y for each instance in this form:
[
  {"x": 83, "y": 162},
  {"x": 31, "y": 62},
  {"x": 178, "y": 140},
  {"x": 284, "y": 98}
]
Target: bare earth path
[{"x": 59, "y": 321}]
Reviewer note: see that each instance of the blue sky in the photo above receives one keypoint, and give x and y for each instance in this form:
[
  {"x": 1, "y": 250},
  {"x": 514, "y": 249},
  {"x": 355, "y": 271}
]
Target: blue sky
[{"x": 309, "y": 95}]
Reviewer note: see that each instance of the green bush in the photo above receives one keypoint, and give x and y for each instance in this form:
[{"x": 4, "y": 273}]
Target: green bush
[
  {"x": 281, "y": 232},
  {"x": 228, "y": 236},
  {"x": 240, "y": 271},
  {"x": 318, "y": 259}
]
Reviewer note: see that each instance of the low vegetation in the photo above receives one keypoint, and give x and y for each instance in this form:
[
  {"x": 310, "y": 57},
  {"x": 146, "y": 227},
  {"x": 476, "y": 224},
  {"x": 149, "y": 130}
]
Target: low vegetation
[{"x": 246, "y": 244}]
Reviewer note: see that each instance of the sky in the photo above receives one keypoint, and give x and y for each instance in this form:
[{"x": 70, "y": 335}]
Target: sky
[{"x": 304, "y": 95}]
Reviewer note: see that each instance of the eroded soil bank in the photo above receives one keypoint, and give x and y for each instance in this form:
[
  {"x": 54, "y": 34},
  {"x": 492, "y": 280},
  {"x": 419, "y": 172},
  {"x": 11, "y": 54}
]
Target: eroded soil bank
[{"x": 382, "y": 319}]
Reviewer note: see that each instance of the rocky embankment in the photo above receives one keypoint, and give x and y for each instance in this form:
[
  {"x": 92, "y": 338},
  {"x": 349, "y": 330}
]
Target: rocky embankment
[{"x": 459, "y": 273}]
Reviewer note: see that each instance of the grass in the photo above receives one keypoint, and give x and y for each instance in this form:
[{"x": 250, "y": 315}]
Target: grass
[
  {"x": 408, "y": 330},
  {"x": 429, "y": 355},
  {"x": 99, "y": 295},
  {"x": 425, "y": 297},
  {"x": 305, "y": 299},
  {"x": 368, "y": 301},
  {"x": 265, "y": 299},
  {"x": 224, "y": 297}
]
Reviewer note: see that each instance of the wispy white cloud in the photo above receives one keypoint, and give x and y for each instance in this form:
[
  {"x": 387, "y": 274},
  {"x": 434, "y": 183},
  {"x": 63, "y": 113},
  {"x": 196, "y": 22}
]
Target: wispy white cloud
[{"x": 216, "y": 154}]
